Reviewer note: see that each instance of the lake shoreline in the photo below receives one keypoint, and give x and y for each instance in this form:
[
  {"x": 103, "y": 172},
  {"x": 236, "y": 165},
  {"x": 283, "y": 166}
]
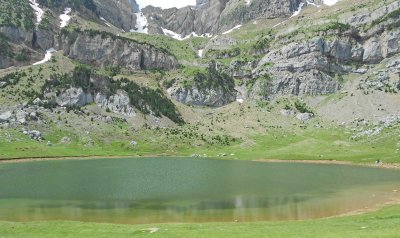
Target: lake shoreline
[{"x": 333, "y": 162}]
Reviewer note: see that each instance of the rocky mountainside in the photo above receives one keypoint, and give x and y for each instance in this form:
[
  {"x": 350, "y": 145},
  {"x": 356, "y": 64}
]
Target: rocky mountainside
[
  {"x": 119, "y": 13},
  {"x": 215, "y": 16},
  {"x": 236, "y": 64}
]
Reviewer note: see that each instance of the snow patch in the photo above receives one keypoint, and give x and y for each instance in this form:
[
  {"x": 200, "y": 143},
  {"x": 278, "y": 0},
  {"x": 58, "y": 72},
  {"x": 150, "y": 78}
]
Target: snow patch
[
  {"x": 313, "y": 4},
  {"x": 178, "y": 36},
  {"x": 234, "y": 28},
  {"x": 296, "y": 13},
  {"x": 330, "y": 2},
  {"x": 247, "y": 2},
  {"x": 207, "y": 35},
  {"x": 141, "y": 24},
  {"x": 172, "y": 34},
  {"x": 200, "y": 53},
  {"x": 65, "y": 18},
  {"x": 38, "y": 11},
  {"x": 106, "y": 22},
  {"x": 47, "y": 56}
]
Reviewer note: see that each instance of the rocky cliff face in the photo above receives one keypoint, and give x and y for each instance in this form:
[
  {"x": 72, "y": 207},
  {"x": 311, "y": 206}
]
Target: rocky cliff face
[
  {"x": 207, "y": 16},
  {"x": 216, "y": 16},
  {"x": 118, "y": 103},
  {"x": 106, "y": 50},
  {"x": 17, "y": 35},
  {"x": 210, "y": 88},
  {"x": 119, "y": 13},
  {"x": 177, "y": 20},
  {"x": 212, "y": 97},
  {"x": 238, "y": 12},
  {"x": 18, "y": 47}
]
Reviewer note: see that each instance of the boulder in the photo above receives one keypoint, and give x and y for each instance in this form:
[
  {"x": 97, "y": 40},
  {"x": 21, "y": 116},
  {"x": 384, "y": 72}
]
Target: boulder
[
  {"x": 65, "y": 140},
  {"x": 133, "y": 143},
  {"x": 74, "y": 97},
  {"x": 33, "y": 116},
  {"x": 34, "y": 134},
  {"x": 304, "y": 116},
  {"x": 118, "y": 103},
  {"x": 5, "y": 117},
  {"x": 21, "y": 117},
  {"x": 373, "y": 51}
]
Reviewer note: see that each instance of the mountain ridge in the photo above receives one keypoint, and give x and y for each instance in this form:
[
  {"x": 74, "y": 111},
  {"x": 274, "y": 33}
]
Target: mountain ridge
[{"x": 263, "y": 68}]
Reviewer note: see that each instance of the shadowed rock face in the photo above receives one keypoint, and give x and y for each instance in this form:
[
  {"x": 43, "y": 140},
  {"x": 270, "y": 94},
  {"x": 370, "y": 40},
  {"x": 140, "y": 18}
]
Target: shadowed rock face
[
  {"x": 177, "y": 20},
  {"x": 105, "y": 51},
  {"x": 213, "y": 89},
  {"x": 216, "y": 16},
  {"x": 120, "y": 13},
  {"x": 17, "y": 35}
]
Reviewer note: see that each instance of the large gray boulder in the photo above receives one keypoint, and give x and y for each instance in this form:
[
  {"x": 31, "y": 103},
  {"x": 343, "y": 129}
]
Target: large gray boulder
[
  {"x": 74, "y": 97},
  {"x": 118, "y": 103},
  {"x": 373, "y": 51},
  {"x": 21, "y": 116},
  {"x": 5, "y": 117},
  {"x": 304, "y": 116}
]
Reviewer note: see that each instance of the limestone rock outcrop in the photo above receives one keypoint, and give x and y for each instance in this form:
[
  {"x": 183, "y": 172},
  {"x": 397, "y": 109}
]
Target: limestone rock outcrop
[{"x": 106, "y": 50}]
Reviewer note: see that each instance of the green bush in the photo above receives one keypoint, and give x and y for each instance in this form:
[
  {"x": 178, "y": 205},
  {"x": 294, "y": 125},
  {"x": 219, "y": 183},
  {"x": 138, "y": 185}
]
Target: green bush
[{"x": 302, "y": 107}]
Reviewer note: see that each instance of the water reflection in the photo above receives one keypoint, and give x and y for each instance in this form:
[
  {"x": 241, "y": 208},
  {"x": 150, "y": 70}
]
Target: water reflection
[
  {"x": 239, "y": 208},
  {"x": 176, "y": 190}
]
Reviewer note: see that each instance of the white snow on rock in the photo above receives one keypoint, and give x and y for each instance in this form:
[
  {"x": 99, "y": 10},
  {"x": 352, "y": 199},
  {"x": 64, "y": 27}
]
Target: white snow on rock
[
  {"x": 200, "y": 53},
  {"x": 178, "y": 36},
  {"x": 330, "y": 2},
  {"x": 175, "y": 35},
  {"x": 141, "y": 24},
  {"x": 47, "y": 56},
  {"x": 296, "y": 13},
  {"x": 236, "y": 27},
  {"x": 106, "y": 22},
  {"x": 313, "y": 4},
  {"x": 38, "y": 11},
  {"x": 172, "y": 34},
  {"x": 247, "y": 2},
  {"x": 65, "y": 18}
]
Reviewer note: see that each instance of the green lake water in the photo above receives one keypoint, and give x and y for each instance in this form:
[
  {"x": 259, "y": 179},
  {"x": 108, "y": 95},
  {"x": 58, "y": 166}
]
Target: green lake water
[{"x": 152, "y": 190}]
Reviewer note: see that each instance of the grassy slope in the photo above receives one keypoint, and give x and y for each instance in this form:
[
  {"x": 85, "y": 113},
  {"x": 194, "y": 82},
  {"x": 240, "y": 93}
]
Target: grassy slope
[
  {"x": 309, "y": 144},
  {"x": 383, "y": 223}
]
